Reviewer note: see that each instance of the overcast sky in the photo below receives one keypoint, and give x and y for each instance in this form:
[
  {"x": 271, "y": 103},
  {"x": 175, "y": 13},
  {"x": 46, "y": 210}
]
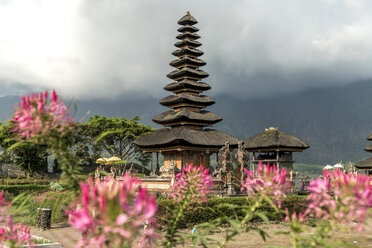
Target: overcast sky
[{"x": 117, "y": 48}]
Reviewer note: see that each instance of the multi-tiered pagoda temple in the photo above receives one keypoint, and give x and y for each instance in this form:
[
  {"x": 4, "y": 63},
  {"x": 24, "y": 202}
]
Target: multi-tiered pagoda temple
[
  {"x": 185, "y": 137},
  {"x": 366, "y": 164}
]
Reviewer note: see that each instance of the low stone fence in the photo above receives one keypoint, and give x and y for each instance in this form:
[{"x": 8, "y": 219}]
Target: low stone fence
[{"x": 157, "y": 184}]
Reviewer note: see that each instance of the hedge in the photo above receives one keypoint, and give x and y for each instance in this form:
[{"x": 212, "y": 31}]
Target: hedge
[
  {"x": 11, "y": 181},
  {"x": 212, "y": 210},
  {"x": 17, "y": 189}
]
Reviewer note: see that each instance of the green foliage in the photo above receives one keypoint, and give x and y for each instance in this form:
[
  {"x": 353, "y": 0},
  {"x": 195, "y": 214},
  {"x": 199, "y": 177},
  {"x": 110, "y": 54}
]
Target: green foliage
[
  {"x": 18, "y": 189},
  {"x": 218, "y": 207},
  {"x": 102, "y": 136},
  {"x": 26, "y": 205},
  {"x": 16, "y": 181},
  {"x": 28, "y": 155},
  {"x": 311, "y": 170}
]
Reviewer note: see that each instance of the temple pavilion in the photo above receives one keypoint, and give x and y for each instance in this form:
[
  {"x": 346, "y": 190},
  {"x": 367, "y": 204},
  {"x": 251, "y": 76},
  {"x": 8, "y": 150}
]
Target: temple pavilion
[
  {"x": 185, "y": 137},
  {"x": 366, "y": 164},
  {"x": 274, "y": 146}
]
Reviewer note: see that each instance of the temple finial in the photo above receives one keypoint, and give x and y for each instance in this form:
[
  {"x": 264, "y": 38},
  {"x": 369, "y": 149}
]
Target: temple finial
[{"x": 187, "y": 12}]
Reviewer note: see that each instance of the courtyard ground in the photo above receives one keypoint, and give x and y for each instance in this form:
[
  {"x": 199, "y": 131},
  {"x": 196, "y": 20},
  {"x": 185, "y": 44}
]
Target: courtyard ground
[{"x": 68, "y": 236}]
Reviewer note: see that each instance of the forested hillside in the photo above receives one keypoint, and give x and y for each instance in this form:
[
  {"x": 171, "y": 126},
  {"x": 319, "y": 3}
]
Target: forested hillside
[{"x": 334, "y": 121}]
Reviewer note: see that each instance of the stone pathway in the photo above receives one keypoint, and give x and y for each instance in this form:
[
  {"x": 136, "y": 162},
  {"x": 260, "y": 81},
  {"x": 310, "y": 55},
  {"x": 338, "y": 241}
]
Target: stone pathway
[
  {"x": 67, "y": 237},
  {"x": 63, "y": 234}
]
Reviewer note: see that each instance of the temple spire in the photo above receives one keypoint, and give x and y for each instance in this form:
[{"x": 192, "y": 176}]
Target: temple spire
[{"x": 187, "y": 105}]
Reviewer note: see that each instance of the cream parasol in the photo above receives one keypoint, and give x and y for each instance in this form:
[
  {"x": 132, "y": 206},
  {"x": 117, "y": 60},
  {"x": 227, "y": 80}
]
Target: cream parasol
[
  {"x": 101, "y": 161},
  {"x": 338, "y": 166},
  {"x": 113, "y": 160}
]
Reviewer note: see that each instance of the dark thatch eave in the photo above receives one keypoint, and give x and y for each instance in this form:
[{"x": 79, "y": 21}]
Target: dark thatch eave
[
  {"x": 188, "y": 51},
  {"x": 187, "y": 98},
  {"x": 171, "y": 116},
  {"x": 174, "y": 86},
  {"x": 275, "y": 139},
  {"x": 188, "y": 28},
  {"x": 187, "y": 72},
  {"x": 188, "y": 35},
  {"x": 368, "y": 148},
  {"x": 364, "y": 164},
  {"x": 187, "y": 61},
  {"x": 187, "y": 42},
  {"x": 166, "y": 137},
  {"x": 187, "y": 20}
]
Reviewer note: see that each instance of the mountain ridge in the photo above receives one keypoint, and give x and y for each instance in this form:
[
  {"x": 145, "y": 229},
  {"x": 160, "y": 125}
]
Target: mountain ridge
[{"x": 334, "y": 121}]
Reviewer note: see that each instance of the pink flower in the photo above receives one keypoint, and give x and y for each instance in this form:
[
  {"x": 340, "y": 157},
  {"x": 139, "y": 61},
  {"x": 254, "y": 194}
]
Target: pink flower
[
  {"x": 36, "y": 115},
  {"x": 114, "y": 212},
  {"x": 81, "y": 219},
  {"x": 301, "y": 217},
  {"x": 193, "y": 182},
  {"x": 269, "y": 181},
  {"x": 352, "y": 198},
  {"x": 12, "y": 235}
]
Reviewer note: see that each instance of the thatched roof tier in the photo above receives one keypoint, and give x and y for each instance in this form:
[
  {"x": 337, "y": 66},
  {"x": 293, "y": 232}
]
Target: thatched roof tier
[
  {"x": 188, "y": 28},
  {"x": 185, "y": 85},
  {"x": 185, "y": 98},
  {"x": 188, "y": 35},
  {"x": 187, "y": 73},
  {"x": 186, "y": 119},
  {"x": 273, "y": 139},
  {"x": 188, "y": 51},
  {"x": 189, "y": 43},
  {"x": 205, "y": 118},
  {"x": 368, "y": 148},
  {"x": 365, "y": 164},
  {"x": 184, "y": 136},
  {"x": 187, "y": 61},
  {"x": 187, "y": 20},
  {"x": 369, "y": 137}
]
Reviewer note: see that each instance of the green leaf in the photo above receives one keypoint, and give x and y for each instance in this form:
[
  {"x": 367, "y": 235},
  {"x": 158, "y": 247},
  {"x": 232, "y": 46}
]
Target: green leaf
[
  {"x": 104, "y": 134},
  {"x": 263, "y": 217},
  {"x": 235, "y": 225}
]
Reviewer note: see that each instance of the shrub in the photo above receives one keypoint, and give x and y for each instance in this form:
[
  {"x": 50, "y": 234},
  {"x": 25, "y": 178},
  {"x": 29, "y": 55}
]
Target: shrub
[
  {"x": 221, "y": 206},
  {"x": 18, "y": 189},
  {"x": 11, "y": 181}
]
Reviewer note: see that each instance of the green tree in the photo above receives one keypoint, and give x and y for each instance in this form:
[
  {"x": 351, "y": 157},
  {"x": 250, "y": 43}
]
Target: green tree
[
  {"x": 102, "y": 136},
  {"x": 29, "y": 156}
]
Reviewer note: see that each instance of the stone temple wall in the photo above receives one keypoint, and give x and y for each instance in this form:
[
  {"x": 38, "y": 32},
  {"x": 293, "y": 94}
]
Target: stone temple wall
[{"x": 11, "y": 170}]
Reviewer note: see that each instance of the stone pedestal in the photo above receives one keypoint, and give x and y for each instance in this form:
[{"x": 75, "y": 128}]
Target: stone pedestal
[
  {"x": 230, "y": 189},
  {"x": 43, "y": 218}
]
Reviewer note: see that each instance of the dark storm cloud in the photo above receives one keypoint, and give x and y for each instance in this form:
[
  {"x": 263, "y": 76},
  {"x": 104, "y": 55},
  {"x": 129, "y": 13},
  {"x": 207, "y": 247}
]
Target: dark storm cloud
[{"x": 103, "y": 49}]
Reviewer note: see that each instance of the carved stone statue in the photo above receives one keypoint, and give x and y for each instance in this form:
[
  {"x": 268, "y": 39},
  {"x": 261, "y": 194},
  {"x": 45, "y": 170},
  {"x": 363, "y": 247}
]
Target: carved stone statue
[
  {"x": 242, "y": 158},
  {"x": 97, "y": 174},
  {"x": 131, "y": 169},
  {"x": 302, "y": 184},
  {"x": 113, "y": 172},
  {"x": 169, "y": 171},
  {"x": 352, "y": 168},
  {"x": 224, "y": 169}
]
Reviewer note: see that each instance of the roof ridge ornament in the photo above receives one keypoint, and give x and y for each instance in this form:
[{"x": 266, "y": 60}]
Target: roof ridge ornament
[
  {"x": 271, "y": 129},
  {"x": 187, "y": 12}
]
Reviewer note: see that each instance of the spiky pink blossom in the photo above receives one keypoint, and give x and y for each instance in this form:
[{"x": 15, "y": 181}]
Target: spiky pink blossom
[
  {"x": 269, "y": 180},
  {"x": 193, "y": 181},
  {"x": 11, "y": 234},
  {"x": 343, "y": 197},
  {"x": 300, "y": 217},
  {"x": 37, "y": 115},
  {"x": 114, "y": 213}
]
